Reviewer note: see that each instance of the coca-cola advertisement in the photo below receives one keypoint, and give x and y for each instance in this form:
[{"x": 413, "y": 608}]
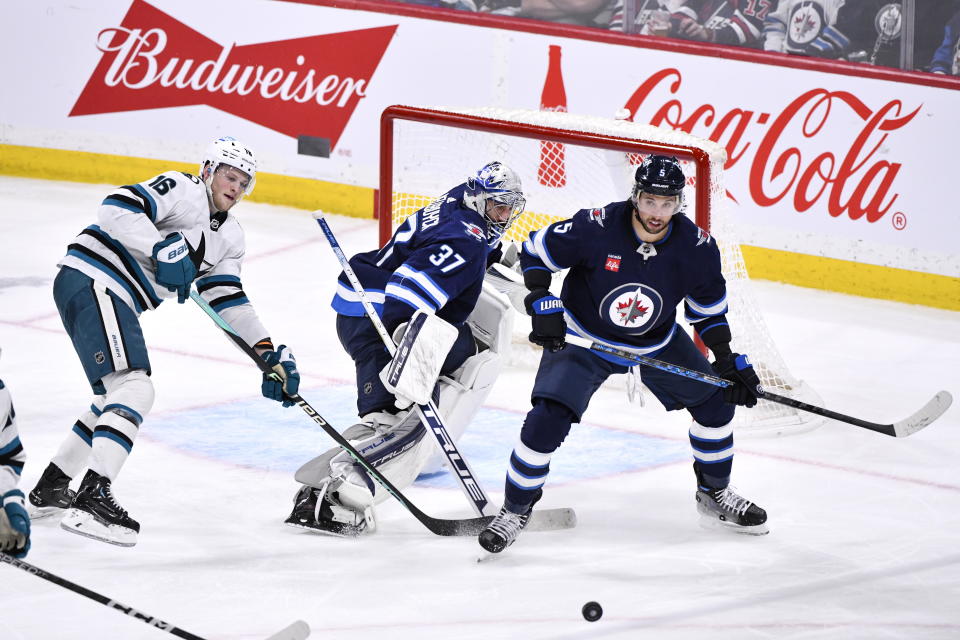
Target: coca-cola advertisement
[{"x": 819, "y": 163}]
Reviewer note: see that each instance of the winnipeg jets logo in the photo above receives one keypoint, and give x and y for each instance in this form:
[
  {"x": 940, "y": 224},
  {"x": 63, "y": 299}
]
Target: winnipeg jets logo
[
  {"x": 702, "y": 237},
  {"x": 474, "y": 231},
  {"x": 632, "y": 308},
  {"x": 806, "y": 23}
]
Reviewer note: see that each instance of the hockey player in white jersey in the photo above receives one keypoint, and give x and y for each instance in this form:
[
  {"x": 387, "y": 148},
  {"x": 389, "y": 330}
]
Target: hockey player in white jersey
[
  {"x": 14, "y": 521},
  {"x": 805, "y": 27},
  {"x": 151, "y": 242},
  {"x": 432, "y": 269}
]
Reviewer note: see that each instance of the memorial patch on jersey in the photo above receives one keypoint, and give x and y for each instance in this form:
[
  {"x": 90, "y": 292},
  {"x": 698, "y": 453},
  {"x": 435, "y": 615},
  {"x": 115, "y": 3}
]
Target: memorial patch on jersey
[
  {"x": 475, "y": 231},
  {"x": 633, "y": 308},
  {"x": 612, "y": 263}
]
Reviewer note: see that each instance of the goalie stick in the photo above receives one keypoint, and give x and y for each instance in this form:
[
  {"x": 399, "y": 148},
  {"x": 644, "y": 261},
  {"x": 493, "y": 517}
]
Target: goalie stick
[
  {"x": 542, "y": 520},
  {"x": 508, "y": 282},
  {"x": 298, "y": 630},
  {"x": 428, "y": 412}
]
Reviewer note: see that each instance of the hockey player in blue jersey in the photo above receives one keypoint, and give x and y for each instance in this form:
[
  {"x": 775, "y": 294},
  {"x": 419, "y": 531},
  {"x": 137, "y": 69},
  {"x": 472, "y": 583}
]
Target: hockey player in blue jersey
[
  {"x": 434, "y": 264},
  {"x": 631, "y": 264},
  {"x": 14, "y": 521},
  {"x": 152, "y": 241}
]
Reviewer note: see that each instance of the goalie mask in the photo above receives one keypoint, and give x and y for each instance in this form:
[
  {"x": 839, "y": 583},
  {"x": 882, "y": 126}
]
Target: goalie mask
[
  {"x": 496, "y": 194},
  {"x": 659, "y": 176},
  {"x": 233, "y": 153}
]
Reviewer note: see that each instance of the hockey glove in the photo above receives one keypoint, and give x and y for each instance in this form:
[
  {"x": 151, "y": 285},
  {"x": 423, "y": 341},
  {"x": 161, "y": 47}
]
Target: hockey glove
[
  {"x": 284, "y": 381},
  {"x": 737, "y": 369},
  {"x": 546, "y": 315},
  {"x": 14, "y": 525},
  {"x": 175, "y": 268}
]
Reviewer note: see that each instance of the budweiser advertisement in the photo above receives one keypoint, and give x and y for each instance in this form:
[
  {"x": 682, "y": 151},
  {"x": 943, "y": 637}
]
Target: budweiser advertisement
[{"x": 840, "y": 166}]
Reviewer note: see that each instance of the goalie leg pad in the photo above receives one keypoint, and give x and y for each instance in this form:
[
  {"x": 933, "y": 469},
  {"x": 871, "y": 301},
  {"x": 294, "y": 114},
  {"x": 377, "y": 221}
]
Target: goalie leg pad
[
  {"x": 396, "y": 451},
  {"x": 413, "y": 371}
]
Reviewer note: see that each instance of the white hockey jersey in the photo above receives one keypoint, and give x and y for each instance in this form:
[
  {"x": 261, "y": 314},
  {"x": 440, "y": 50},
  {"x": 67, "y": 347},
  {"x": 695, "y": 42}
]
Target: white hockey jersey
[
  {"x": 117, "y": 252},
  {"x": 805, "y": 27},
  {"x": 11, "y": 451}
]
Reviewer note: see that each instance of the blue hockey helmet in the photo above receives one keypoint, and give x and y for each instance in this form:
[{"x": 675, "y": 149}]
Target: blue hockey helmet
[{"x": 499, "y": 185}]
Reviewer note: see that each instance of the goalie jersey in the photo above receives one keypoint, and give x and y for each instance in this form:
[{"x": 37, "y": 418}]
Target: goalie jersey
[
  {"x": 435, "y": 261},
  {"x": 623, "y": 292},
  {"x": 117, "y": 252}
]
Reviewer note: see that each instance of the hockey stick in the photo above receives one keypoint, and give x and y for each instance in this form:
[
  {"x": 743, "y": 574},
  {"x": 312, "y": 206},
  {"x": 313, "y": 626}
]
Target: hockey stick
[
  {"x": 508, "y": 282},
  {"x": 542, "y": 520},
  {"x": 428, "y": 412},
  {"x": 298, "y": 630},
  {"x": 901, "y": 429}
]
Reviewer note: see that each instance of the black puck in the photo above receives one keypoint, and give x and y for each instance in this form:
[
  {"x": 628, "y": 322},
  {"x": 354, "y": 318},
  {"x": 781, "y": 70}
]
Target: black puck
[{"x": 592, "y": 611}]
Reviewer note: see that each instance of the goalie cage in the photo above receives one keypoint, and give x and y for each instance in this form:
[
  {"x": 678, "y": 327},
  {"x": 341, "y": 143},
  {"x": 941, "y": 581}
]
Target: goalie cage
[{"x": 568, "y": 162}]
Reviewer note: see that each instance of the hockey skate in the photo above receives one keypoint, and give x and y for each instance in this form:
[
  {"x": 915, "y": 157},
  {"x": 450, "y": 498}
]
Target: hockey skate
[
  {"x": 319, "y": 510},
  {"x": 52, "y": 495},
  {"x": 96, "y": 514},
  {"x": 724, "y": 508},
  {"x": 505, "y": 527}
]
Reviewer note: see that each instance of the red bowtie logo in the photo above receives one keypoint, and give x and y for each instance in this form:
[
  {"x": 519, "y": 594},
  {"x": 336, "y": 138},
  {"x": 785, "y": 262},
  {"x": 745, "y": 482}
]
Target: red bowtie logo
[{"x": 302, "y": 86}]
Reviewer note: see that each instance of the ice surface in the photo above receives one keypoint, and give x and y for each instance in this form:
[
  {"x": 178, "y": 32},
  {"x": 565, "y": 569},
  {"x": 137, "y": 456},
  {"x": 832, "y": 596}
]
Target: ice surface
[{"x": 863, "y": 526}]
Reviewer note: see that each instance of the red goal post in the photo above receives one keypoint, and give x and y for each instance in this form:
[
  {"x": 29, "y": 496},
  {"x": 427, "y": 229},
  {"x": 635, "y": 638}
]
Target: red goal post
[{"x": 567, "y": 162}]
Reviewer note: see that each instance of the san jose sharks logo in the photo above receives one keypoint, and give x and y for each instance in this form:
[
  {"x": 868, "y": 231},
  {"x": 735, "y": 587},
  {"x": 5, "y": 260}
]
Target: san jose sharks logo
[
  {"x": 632, "y": 308},
  {"x": 197, "y": 255}
]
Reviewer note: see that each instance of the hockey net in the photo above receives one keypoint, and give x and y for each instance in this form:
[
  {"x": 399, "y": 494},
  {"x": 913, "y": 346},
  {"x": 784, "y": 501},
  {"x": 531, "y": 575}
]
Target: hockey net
[{"x": 568, "y": 162}]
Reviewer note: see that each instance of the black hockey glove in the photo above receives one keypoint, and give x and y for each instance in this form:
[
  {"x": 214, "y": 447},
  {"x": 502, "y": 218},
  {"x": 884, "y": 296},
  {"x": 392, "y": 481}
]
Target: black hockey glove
[
  {"x": 737, "y": 369},
  {"x": 546, "y": 315}
]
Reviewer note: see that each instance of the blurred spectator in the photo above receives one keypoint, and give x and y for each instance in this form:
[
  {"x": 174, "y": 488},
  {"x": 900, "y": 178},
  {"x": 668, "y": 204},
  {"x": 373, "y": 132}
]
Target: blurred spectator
[
  {"x": 805, "y": 27},
  {"x": 946, "y": 59},
  {"x": 582, "y": 12},
  {"x": 874, "y": 28},
  {"x": 719, "y": 21}
]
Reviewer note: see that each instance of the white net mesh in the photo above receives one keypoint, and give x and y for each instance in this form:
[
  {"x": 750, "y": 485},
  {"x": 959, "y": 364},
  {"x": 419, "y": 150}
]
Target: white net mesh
[{"x": 590, "y": 164}]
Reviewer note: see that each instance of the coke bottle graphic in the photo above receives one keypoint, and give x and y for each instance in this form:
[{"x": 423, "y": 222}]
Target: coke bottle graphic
[{"x": 552, "y": 171}]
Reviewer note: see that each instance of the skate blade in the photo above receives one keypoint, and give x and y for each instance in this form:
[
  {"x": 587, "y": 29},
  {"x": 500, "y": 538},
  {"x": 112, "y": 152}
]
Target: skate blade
[
  {"x": 84, "y": 524},
  {"x": 714, "y": 523},
  {"x": 344, "y": 531},
  {"x": 40, "y": 513}
]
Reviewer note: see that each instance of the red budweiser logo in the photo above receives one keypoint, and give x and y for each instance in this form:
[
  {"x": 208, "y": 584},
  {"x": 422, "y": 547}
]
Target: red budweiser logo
[
  {"x": 846, "y": 171},
  {"x": 302, "y": 86}
]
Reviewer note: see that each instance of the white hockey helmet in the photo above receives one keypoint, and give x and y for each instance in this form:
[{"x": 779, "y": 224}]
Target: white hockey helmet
[
  {"x": 499, "y": 184},
  {"x": 231, "y": 152}
]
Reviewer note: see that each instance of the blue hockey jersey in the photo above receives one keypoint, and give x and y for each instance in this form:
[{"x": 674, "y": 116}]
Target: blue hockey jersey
[
  {"x": 435, "y": 261},
  {"x": 624, "y": 292}
]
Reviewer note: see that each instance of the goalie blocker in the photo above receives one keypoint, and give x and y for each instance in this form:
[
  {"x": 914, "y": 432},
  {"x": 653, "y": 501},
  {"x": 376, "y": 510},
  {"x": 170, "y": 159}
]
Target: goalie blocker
[{"x": 338, "y": 495}]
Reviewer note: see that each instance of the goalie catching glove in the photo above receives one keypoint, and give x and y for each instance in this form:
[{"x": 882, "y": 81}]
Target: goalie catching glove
[
  {"x": 412, "y": 373},
  {"x": 737, "y": 369},
  {"x": 284, "y": 381}
]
